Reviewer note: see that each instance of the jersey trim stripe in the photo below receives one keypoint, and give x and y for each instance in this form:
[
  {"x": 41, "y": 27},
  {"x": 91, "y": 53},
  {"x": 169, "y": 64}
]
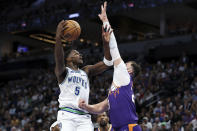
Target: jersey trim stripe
[{"x": 75, "y": 111}]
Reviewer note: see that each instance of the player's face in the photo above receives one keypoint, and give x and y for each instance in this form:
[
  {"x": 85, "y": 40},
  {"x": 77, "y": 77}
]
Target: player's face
[
  {"x": 129, "y": 67},
  {"x": 103, "y": 119},
  {"x": 76, "y": 57}
]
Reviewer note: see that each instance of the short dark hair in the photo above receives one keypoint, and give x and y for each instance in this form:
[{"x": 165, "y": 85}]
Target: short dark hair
[
  {"x": 67, "y": 52},
  {"x": 136, "y": 68}
]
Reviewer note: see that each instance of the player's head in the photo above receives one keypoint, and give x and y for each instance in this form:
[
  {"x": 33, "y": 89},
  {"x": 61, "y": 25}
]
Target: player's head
[
  {"x": 103, "y": 119},
  {"x": 133, "y": 68},
  {"x": 73, "y": 56}
]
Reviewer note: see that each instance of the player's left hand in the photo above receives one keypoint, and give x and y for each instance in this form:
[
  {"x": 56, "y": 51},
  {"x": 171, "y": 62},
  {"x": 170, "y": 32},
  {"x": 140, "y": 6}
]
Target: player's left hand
[
  {"x": 103, "y": 15},
  {"x": 82, "y": 104},
  {"x": 106, "y": 33}
]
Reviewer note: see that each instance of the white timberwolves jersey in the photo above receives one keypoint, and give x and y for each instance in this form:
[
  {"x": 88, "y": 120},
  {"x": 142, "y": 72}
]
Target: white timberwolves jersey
[{"x": 74, "y": 87}]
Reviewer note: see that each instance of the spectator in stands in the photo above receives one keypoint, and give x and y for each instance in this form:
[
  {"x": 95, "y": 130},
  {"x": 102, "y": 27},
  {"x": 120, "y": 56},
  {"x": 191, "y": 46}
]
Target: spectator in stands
[
  {"x": 103, "y": 121},
  {"x": 147, "y": 123}
]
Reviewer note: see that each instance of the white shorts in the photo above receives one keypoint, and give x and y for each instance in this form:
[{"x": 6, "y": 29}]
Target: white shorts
[{"x": 74, "y": 122}]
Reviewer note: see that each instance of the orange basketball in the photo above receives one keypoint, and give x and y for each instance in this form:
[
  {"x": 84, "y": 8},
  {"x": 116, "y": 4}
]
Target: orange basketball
[{"x": 73, "y": 31}]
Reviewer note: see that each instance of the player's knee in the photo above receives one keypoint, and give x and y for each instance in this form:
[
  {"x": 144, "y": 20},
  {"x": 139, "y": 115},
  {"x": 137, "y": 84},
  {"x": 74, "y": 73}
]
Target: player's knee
[{"x": 56, "y": 128}]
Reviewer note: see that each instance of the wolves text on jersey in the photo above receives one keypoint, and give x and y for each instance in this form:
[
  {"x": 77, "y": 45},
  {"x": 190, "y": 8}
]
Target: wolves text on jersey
[{"x": 75, "y": 79}]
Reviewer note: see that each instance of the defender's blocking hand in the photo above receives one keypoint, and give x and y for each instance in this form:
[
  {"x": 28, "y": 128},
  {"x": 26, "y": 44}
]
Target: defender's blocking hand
[
  {"x": 106, "y": 33},
  {"x": 103, "y": 15}
]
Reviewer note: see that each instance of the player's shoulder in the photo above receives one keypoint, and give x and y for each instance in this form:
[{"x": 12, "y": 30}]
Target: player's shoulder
[
  {"x": 83, "y": 72},
  {"x": 68, "y": 68},
  {"x": 85, "y": 69}
]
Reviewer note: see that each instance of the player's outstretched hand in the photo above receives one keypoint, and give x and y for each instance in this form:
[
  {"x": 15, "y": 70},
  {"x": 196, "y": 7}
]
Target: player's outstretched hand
[
  {"x": 82, "y": 104},
  {"x": 106, "y": 33},
  {"x": 103, "y": 15},
  {"x": 60, "y": 29}
]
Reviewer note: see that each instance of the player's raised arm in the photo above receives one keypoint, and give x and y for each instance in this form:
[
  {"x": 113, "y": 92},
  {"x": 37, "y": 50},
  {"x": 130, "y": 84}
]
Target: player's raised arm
[
  {"x": 122, "y": 77},
  {"x": 96, "y": 108},
  {"x": 103, "y": 65},
  {"x": 59, "y": 52},
  {"x": 107, "y": 61},
  {"x": 113, "y": 43}
]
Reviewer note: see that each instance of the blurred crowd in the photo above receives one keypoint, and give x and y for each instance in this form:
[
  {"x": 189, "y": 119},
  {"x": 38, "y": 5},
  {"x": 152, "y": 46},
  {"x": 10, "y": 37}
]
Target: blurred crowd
[
  {"x": 172, "y": 29},
  {"x": 30, "y": 103},
  {"x": 21, "y": 14}
]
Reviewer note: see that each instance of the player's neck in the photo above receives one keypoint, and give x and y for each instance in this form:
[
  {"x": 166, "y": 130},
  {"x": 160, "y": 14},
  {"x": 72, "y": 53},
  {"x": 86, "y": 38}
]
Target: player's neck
[{"x": 72, "y": 66}]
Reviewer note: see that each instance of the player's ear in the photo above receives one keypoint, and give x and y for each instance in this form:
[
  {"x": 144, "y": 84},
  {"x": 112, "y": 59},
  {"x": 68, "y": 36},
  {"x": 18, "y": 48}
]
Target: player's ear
[{"x": 68, "y": 59}]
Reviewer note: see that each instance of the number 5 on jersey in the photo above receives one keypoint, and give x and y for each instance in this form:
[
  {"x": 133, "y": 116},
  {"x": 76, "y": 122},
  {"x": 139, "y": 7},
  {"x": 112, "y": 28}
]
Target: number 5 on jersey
[{"x": 77, "y": 90}]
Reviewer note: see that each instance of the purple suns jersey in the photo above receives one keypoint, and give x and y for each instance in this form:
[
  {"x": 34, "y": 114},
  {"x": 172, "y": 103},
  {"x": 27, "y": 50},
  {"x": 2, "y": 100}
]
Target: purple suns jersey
[{"x": 122, "y": 106}]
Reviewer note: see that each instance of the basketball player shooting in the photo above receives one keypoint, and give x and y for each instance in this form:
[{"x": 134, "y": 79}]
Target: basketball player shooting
[
  {"x": 120, "y": 101},
  {"x": 74, "y": 84}
]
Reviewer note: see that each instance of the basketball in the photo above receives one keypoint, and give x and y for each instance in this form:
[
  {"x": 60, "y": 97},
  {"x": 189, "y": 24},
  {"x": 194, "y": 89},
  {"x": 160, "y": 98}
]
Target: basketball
[{"x": 73, "y": 31}]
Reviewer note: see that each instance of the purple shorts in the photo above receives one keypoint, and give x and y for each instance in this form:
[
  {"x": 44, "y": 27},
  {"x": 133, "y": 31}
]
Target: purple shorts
[{"x": 130, "y": 127}]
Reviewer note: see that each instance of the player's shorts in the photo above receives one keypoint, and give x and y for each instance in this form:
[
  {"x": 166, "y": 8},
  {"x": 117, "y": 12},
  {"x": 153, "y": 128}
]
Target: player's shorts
[
  {"x": 130, "y": 127},
  {"x": 74, "y": 122}
]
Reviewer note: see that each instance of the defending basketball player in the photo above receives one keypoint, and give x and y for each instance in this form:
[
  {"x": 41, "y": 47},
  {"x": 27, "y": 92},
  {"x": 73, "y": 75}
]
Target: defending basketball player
[
  {"x": 74, "y": 84},
  {"x": 120, "y": 101}
]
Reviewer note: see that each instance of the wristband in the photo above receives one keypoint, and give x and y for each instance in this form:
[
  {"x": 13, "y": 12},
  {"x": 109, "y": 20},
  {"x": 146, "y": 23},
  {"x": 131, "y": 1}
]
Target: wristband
[
  {"x": 107, "y": 62},
  {"x": 108, "y": 26}
]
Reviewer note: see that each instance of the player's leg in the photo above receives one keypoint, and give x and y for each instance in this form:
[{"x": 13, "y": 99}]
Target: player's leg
[
  {"x": 68, "y": 125},
  {"x": 86, "y": 127},
  {"x": 56, "y": 126},
  {"x": 84, "y": 123},
  {"x": 66, "y": 119}
]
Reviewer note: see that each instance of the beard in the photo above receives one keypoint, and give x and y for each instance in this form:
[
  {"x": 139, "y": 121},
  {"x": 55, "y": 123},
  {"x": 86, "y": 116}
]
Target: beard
[{"x": 103, "y": 123}]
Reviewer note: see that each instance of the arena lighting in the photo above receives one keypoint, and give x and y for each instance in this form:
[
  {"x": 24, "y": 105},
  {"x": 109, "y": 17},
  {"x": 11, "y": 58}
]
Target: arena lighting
[
  {"x": 96, "y": 43},
  {"x": 45, "y": 38},
  {"x": 81, "y": 40},
  {"x": 23, "y": 24},
  {"x": 131, "y": 5},
  {"x": 37, "y": 37},
  {"x": 88, "y": 41},
  {"x": 74, "y": 15}
]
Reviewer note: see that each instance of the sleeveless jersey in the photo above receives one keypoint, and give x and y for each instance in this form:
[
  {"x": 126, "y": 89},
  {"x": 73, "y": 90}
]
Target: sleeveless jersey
[
  {"x": 122, "y": 106},
  {"x": 74, "y": 87}
]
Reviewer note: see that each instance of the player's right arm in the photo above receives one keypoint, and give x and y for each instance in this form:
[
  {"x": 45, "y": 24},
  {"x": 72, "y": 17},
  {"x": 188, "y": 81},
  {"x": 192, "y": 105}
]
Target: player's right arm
[
  {"x": 96, "y": 108},
  {"x": 59, "y": 52}
]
